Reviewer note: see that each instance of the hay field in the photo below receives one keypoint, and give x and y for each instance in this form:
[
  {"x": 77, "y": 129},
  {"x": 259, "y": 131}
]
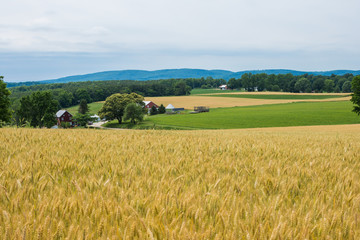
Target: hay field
[
  {"x": 273, "y": 93},
  {"x": 232, "y": 184},
  {"x": 188, "y": 102}
]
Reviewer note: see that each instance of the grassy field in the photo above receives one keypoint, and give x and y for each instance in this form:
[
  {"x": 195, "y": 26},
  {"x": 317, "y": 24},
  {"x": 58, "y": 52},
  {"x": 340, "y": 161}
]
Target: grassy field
[
  {"x": 94, "y": 108},
  {"x": 279, "y": 96},
  {"x": 278, "y": 115},
  {"x": 228, "y": 184},
  {"x": 188, "y": 102}
]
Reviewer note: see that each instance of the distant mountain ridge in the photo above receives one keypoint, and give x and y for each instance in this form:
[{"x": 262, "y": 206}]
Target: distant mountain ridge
[{"x": 143, "y": 75}]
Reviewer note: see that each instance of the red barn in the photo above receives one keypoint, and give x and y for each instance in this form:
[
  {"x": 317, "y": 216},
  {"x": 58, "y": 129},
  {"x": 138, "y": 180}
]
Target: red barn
[
  {"x": 64, "y": 116},
  {"x": 149, "y": 104}
]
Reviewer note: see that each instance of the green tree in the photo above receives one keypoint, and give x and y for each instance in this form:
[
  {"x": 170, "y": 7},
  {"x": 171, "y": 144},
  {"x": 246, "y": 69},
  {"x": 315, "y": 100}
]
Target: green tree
[
  {"x": 275, "y": 88},
  {"x": 234, "y": 83},
  {"x": 329, "y": 85},
  {"x": 65, "y": 99},
  {"x": 153, "y": 110},
  {"x": 355, "y": 85},
  {"x": 133, "y": 112},
  {"x": 82, "y": 93},
  {"x": 346, "y": 87},
  {"x": 302, "y": 85},
  {"x": 38, "y": 109},
  {"x": 83, "y": 107},
  {"x": 5, "y": 113},
  {"x": 181, "y": 88},
  {"x": 318, "y": 85},
  {"x": 114, "y": 105},
  {"x": 82, "y": 119},
  {"x": 162, "y": 109}
]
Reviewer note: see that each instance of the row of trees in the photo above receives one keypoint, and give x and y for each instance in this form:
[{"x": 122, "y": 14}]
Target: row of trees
[
  {"x": 291, "y": 83},
  {"x": 69, "y": 94}
]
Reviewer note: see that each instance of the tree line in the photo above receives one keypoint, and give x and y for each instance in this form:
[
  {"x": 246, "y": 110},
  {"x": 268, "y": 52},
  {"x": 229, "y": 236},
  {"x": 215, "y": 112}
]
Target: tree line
[
  {"x": 70, "y": 94},
  {"x": 290, "y": 83}
]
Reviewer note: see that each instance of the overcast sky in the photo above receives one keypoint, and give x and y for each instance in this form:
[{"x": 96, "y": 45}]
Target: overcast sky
[{"x": 49, "y": 39}]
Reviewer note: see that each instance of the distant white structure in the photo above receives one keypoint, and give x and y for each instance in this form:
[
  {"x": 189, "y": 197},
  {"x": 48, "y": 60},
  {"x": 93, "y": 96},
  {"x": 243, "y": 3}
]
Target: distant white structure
[
  {"x": 170, "y": 107},
  {"x": 223, "y": 87},
  {"x": 95, "y": 118}
]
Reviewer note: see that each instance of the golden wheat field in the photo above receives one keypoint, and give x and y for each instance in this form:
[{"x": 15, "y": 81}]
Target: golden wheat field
[
  {"x": 299, "y": 183},
  {"x": 188, "y": 102},
  {"x": 271, "y": 93}
]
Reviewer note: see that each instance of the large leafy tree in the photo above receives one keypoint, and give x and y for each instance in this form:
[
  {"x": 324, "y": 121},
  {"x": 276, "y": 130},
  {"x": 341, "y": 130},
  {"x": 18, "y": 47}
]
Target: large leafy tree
[
  {"x": 5, "y": 113},
  {"x": 82, "y": 119},
  {"x": 134, "y": 113},
  {"x": 329, "y": 85},
  {"x": 318, "y": 85},
  {"x": 302, "y": 85},
  {"x": 181, "y": 88},
  {"x": 234, "y": 83},
  {"x": 355, "y": 85},
  {"x": 38, "y": 109},
  {"x": 114, "y": 105},
  {"x": 65, "y": 98},
  {"x": 346, "y": 87},
  {"x": 82, "y": 93}
]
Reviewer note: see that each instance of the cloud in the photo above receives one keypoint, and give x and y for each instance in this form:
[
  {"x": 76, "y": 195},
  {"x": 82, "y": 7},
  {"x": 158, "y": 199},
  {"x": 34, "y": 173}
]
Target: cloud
[
  {"x": 229, "y": 34},
  {"x": 230, "y": 24}
]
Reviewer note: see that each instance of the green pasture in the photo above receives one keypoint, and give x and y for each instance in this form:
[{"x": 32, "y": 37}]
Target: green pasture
[
  {"x": 278, "y": 96},
  {"x": 277, "y": 115},
  {"x": 93, "y": 107}
]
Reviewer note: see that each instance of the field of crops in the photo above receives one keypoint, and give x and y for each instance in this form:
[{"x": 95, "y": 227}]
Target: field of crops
[
  {"x": 277, "y": 115},
  {"x": 188, "y": 102},
  {"x": 228, "y": 99},
  {"x": 279, "y": 96},
  {"x": 197, "y": 91},
  {"x": 298, "y": 183}
]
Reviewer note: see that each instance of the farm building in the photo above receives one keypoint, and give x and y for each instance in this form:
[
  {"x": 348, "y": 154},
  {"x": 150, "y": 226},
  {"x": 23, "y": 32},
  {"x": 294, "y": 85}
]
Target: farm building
[
  {"x": 149, "y": 105},
  {"x": 95, "y": 118},
  {"x": 171, "y": 109},
  {"x": 223, "y": 87},
  {"x": 200, "y": 109},
  {"x": 64, "y": 116}
]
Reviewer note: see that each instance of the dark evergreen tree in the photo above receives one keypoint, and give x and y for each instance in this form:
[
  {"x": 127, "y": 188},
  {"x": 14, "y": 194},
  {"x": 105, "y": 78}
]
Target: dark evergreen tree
[
  {"x": 161, "y": 109},
  {"x": 83, "y": 107},
  {"x": 5, "y": 113},
  {"x": 153, "y": 110}
]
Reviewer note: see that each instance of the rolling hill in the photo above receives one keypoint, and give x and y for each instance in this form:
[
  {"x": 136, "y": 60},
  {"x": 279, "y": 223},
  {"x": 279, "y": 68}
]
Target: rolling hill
[{"x": 143, "y": 75}]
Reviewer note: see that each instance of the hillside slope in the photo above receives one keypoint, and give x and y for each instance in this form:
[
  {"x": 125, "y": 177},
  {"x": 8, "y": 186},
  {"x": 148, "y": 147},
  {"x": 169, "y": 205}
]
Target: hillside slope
[{"x": 143, "y": 75}]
